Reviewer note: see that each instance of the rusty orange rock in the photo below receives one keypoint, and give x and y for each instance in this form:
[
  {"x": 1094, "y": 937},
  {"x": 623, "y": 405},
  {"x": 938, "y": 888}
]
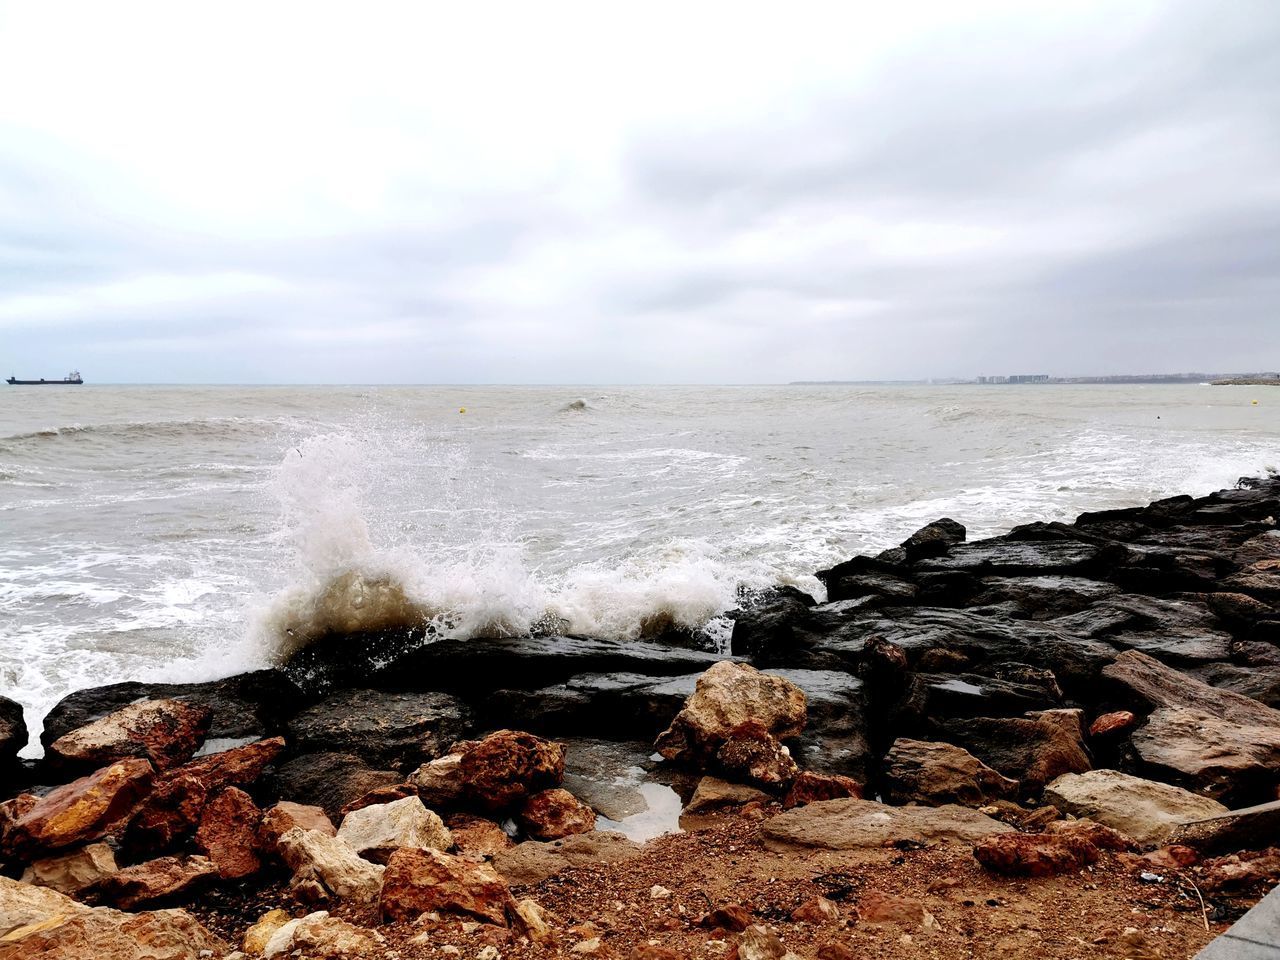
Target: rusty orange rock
[
  {"x": 810, "y": 787},
  {"x": 1035, "y": 854},
  {"x": 552, "y": 814},
  {"x": 82, "y": 810},
  {"x": 504, "y": 768},
  {"x": 419, "y": 881},
  {"x": 228, "y": 833}
]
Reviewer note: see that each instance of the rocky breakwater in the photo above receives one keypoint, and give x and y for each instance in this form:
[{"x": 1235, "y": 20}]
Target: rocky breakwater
[{"x": 1088, "y": 704}]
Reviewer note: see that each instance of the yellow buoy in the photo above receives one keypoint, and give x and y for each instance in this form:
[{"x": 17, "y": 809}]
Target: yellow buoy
[
  {"x": 1255, "y": 403},
  {"x": 464, "y": 409}
]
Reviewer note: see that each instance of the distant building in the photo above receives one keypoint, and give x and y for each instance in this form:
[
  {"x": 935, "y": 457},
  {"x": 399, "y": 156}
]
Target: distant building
[{"x": 1029, "y": 378}]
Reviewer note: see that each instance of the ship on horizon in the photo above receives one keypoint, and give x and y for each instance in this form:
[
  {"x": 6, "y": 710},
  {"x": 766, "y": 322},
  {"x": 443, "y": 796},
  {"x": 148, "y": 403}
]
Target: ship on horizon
[{"x": 71, "y": 378}]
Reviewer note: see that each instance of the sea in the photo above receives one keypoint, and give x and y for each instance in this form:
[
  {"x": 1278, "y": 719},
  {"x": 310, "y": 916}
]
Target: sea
[{"x": 186, "y": 533}]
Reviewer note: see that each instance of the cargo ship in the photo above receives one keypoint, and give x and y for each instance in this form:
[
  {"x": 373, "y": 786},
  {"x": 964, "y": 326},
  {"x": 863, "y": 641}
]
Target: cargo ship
[{"x": 71, "y": 378}]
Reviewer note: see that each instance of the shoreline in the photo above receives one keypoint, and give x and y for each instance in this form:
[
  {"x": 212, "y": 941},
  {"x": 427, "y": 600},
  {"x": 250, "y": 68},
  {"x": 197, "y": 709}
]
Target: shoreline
[{"x": 985, "y": 683}]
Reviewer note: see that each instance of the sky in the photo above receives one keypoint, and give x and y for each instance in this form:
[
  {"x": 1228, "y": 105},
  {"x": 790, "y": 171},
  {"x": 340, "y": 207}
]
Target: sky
[{"x": 633, "y": 193}]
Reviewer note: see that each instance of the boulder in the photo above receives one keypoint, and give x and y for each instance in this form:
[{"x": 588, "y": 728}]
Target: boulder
[
  {"x": 13, "y": 731},
  {"x": 769, "y": 630},
  {"x": 809, "y": 787},
  {"x": 320, "y": 935},
  {"x": 163, "y": 880},
  {"x": 1253, "y": 869},
  {"x": 728, "y": 696},
  {"x": 166, "y": 732},
  {"x": 1142, "y": 809},
  {"x": 934, "y": 539},
  {"x": 326, "y": 867},
  {"x": 329, "y": 780},
  {"x": 241, "y": 766},
  {"x": 284, "y": 816},
  {"x": 1213, "y": 741},
  {"x": 532, "y": 861},
  {"x": 393, "y": 730},
  {"x": 918, "y": 771},
  {"x": 71, "y": 872},
  {"x": 556, "y": 813},
  {"x": 1035, "y": 854},
  {"x": 817, "y": 911},
  {"x": 1112, "y": 724},
  {"x": 375, "y": 832},
  {"x": 169, "y": 813},
  {"x": 259, "y": 935},
  {"x": 1104, "y": 838},
  {"x": 712, "y": 793},
  {"x": 1250, "y": 828},
  {"x": 477, "y": 837},
  {"x": 751, "y": 753},
  {"x": 82, "y": 810},
  {"x": 228, "y": 833},
  {"x": 439, "y": 783},
  {"x": 851, "y": 824},
  {"x": 502, "y": 770},
  {"x": 421, "y": 881},
  {"x": 1033, "y": 749}
]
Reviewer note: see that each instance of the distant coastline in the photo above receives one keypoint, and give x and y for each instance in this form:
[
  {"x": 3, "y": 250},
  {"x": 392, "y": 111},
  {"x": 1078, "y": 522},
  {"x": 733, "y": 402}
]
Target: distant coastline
[{"x": 1217, "y": 379}]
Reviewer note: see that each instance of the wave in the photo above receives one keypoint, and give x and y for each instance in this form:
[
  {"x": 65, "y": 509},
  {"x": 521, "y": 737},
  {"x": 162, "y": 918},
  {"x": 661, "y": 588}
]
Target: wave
[{"x": 165, "y": 429}]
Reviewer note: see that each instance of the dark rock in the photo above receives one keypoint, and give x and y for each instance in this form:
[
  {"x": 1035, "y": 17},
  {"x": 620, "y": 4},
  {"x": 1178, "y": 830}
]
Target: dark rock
[
  {"x": 13, "y": 731},
  {"x": 1044, "y": 598},
  {"x": 1260, "y": 683},
  {"x": 328, "y": 780},
  {"x": 768, "y": 632},
  {"x": 934, "y": 539},
  {"x": 1034, "y": 749},
  {"x": 931, "y": 696},
  {"x": 1008, "y": 557},
  {"x": 917, "y": 771},
  {"x": 394, "y": 730},
  {"x": 752, "y": 754}
]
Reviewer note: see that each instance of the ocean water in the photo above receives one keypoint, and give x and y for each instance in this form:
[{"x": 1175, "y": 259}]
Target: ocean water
[{"x": 188, "y": 533}]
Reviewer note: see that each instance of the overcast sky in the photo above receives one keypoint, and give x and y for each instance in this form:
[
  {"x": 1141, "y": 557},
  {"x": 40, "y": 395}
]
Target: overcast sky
[{"x": 542, "y": 192}]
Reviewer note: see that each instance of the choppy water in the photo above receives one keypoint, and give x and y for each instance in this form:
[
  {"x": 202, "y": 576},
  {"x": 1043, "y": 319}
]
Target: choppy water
[{"x": 180, "y": 532}]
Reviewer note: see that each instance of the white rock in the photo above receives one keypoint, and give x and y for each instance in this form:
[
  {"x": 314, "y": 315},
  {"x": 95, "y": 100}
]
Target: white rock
[
  {"x": 331, "y": 863},
  {"x": 376, "y": 831}
]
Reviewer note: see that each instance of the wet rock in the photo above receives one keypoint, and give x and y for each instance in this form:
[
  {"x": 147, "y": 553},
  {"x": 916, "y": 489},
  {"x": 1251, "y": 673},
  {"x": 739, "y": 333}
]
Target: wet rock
[
  {"x": 728, "y": 696},
  {"x": 772, "y": 629},
  {"x": 170, "y": 812},
  {"x": 712, "y": 793},
  {"x": 931, "y": 696},
  {"x": 394, "y": 730},
  {"x": 1216, "y": 742},
  {"x": 506, "y": 767},
  {"x": 934, "y": 539},
  {"x": 1004, "y": 556},
  {"x": 809, "y": 787},
  {"x": 82, "y": 810},
  {"x": 285, "y": 816},
  {"x": 163, "y": 880},
  {"x": 1035, "y": 855},
  {"x": 166, "y": 732},
  {"x": 918, "y": 771},
  {"x": 477, "y": 837},
  {"x": 532, "y": 862},
  {"x": 375, "y": 832},
  {"x": 1044, "y": 598},
  {"x": 320, "y": 935},
  {"x": 751, "y": 753},
  {"x": 327, "y": 868},
  {"x": 13, "y": 731},
  {"x": 1112, "y": 724},
  {"x": 851, "y": 824},
  {"x": 835, "y": 738},
  {"x": 329, "y": 780},
  {"x": 556, "y": 813},
  {"x": 71, "y": 872},
  {"x": 228, "y": 833},
  {"x": 1034, "y": 749},
  {"x": 1142, "y": 809},
  {"x": 421, "y": 881}
]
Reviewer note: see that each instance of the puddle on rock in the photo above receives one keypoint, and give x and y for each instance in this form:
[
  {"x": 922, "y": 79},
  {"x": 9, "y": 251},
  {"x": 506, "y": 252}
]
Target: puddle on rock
[{"x": 630, "y": 792}]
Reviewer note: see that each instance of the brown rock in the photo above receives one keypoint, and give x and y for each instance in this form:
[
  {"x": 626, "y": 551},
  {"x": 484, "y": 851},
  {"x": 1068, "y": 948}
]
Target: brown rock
[
  {"x": 552, "y": 814},
  {"x": 819, "y": 910},
  {"x": 11, "y": 811},
  {"x": 852, "y": 824},
  {"x": 1033, "y": 749},
  {"x": 238, "y": 767},
  {"x": 731, "y": 916},
  {"x": 166, "y": 732},
  {"x": 380, "y": 795},
  {"x": 1112, "y": 724},
  {"x": 477, "y": 837},
  {"x": 170, "y": 812},
  {"x": 532, "y": 861},
  {"x": 1035, "y": 854},
  {"x": 72, "y": 872},
  {"x": 810, "y": 787},
  {"x": 752, "y": 753},
  {"x": 760, "y": 943},
  {"x": 1104, "y": 838},
  {"x": 84, "y": 809},
  {"x": 1241, "y": 871},
  {"x": 1143, "y": 809},
  {"x": 420, "y": 881},
  {"x": 875, "y": 906},
  {"x": 921, "y": 771},
  {"x": 284, "y": 816},
  {"x": 835, "y": 950},
  {"x": 712, "y": 793},
  {"x": 228, "y": 833},
  {"x": 166, "y": 879},
  {"x": 649, "y": 951},
  {"x": 439, "y": 783},
  {"x": 504, "y": 768},
  {"x": 729, "y": 695}
]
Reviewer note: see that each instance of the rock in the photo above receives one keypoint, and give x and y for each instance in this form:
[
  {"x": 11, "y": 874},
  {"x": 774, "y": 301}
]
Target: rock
[
  {"x": 477, "y": 837},
  {"x": 850, "y": 824},
  {"x": 381, "y": 795},
  {"x": 82, "y": 810},
  {"x": 751, "y": 753},
  {"x": 834, "y": 950},
  {"x": 730, "y": 916},
  {"x": 918, "y": 771},
  {"x": 1112, "y": 724},
  {"x": 1242, "y": 870},
  {"x": 259, "y": 935},
  {"x": 1250, "y": 828},
  {"x": 1104, "y": 838},
  {"x": 393, "y": 730},
  {"x": 166, "y": 879},
  {"x": 760, "y": 943},
  {"x": 1034, "y": 749},
  {"x": 713, "y": 793},
  {"x": 71, "y": 872},
  {"x": 331, "y": 864},
  {"x": 439, "y": 783},
  {"x": 729, "y": 696},
  {"x": 809, "y": 787},
  {"x": 39, "y": 922},
  {"x": 284, "y": 816},
  {"x": 532, "y": 861},
  {"x": 876, "y": 906},
  {"x": 1005, "y": 556},
  {"x": 552, "y": 814},
  {"x": 166, "y": 732},
  {"x": 1035, "y": 854},
  {"x": 375, "y": 832},
  {"x": 319, "y": 935},
  {"x": 530, "y": 920},
  {"x": 329, "y": 780},
  {"x": 819, "y": 910},
  {"x": 648, "y": 951},
  {"x": 1142, "y": 809},
  {"x": 506, "y": 767},
  {"x": 170, "y": 812},
  {"x": 420, "y": 881},
  {"x": 13, "y": 731},
  {"x": 1214, "y": 741},
  {"x": 934, "y": 539},
  {"x": 240, "y": 766},
  {"x": 769, "y": 629},
  {"x": 228, "y": 833}
]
